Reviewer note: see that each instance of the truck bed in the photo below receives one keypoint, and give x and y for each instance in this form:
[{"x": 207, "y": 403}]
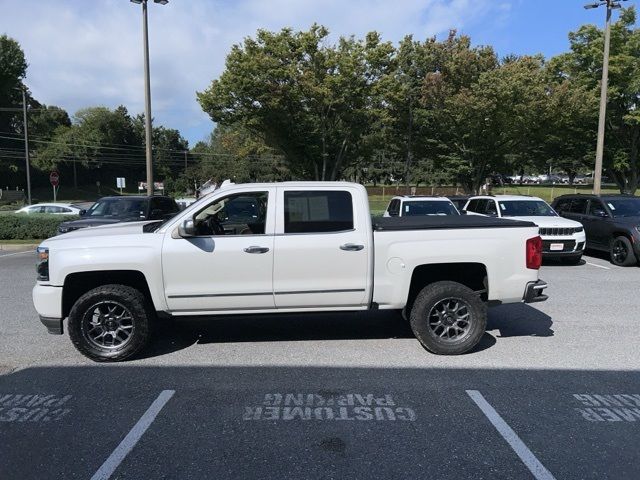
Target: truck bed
[{"x": 448, "y": 222}]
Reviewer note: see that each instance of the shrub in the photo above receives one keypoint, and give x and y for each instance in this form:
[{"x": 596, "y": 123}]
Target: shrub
[{"x": 17, "y": 226}]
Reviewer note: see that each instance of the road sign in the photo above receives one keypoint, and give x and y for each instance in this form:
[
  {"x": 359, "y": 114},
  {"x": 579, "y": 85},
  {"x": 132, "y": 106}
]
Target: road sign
[
  {"x": 121, "y": 182},
  {"x": 54, "y": 178}
]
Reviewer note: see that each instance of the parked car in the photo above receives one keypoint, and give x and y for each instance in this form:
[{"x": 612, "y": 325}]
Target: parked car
[
  {"x": 184, "y": 202},
  {"x": 611, "y": 222},
  {"x": 561, "y": 238},
  {"x": 459, "y": 201},
  {"x": 132, "y": 208},
  {"x": 415, "y": 206},
  {"x": 306, "y": 247},
  {"x": 52, "y": 208}
]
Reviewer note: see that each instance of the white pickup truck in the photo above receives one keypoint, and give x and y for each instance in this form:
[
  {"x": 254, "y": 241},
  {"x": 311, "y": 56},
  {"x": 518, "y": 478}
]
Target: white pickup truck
[{"x": 284, "y": 247}]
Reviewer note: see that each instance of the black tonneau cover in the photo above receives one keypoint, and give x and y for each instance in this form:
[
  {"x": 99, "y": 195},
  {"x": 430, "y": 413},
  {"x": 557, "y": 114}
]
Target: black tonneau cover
[{"x": 435, "y": 222}]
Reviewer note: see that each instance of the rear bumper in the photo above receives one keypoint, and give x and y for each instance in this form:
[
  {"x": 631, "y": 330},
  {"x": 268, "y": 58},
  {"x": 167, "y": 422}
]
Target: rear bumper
[{"x": 533, "y": 292}]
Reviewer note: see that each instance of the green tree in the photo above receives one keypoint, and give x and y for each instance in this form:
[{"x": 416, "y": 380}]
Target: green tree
[
  {"x": 583, "y": 65},
  {"x": 302, "y": 97}
]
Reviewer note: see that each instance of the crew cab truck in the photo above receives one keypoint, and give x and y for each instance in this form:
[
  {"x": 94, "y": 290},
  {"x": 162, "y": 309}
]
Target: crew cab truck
[{"x": 284, "y": 247}]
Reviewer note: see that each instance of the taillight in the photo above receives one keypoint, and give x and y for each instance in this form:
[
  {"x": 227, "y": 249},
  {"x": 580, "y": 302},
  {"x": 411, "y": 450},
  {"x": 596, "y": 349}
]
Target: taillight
[{"x": 534, "y": 253}]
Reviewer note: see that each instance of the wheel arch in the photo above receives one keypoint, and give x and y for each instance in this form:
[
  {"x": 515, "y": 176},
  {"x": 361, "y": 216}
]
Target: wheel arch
[
  {"x": 77, "y": 284},
  {"x": 469, "y": 274}
]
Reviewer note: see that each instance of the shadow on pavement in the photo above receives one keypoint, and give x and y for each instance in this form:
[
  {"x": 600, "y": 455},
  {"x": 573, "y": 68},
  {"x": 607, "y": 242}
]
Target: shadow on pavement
[
  {"x": 231, "y": 422},
  {"x": 177, "y": 334}
]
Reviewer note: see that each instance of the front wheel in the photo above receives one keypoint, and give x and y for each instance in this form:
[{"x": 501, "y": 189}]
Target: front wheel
[
  {"x": 622, "y": 252},
  {"x": 110, "y": 323},
  {"x": 448, "y": 318}
]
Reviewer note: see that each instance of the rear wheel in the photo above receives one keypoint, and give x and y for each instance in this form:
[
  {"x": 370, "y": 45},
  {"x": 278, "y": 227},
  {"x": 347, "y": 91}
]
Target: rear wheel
[
  {"x": 448, "y": 318},
  {"x": 110, "y": 323},
  {"x": 622, "y": 252}
]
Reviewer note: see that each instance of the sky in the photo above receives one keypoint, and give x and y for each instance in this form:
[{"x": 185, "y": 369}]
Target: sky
[{"x": 89, "y": 52}]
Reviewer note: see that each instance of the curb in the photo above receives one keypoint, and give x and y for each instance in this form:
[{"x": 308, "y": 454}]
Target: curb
[{"x": 12, "y": 247}]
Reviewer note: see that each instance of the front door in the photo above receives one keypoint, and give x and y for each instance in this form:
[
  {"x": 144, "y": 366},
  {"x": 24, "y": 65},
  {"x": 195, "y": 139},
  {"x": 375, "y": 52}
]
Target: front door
[
  {"x": 228, "y": 265},
  {"x": 322, "y": 251}
]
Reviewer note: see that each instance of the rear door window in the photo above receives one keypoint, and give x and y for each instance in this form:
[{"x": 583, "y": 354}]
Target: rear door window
[
  {"x": 578, "y": 205},
  {"x": 473, "y": 205},
  {"x": 394, "y": 208},
  {"x": 491, "y": 208},
  {"x": 317, "y": 211},
  {"x": 563, "y": 205}
]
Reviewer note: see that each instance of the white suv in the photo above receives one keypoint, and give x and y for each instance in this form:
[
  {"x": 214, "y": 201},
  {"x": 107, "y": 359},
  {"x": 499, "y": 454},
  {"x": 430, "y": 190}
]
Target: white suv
[
  {"x": 561, "y": 238},
  {"x": 417, "y": 206}
]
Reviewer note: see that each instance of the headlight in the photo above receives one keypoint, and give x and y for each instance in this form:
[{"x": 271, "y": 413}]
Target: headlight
[
  {"x": 42, "y": 266},
  {"x": 579, "y": 229}
]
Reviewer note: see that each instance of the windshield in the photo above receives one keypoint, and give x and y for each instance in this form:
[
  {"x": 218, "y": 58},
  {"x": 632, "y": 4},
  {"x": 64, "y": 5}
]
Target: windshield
[
  {"x": 435, "y": 207},
  {"x": 526, "y": 208},
  {"x": 118, "y": 207},
  {"x": 624, "y": 207}
]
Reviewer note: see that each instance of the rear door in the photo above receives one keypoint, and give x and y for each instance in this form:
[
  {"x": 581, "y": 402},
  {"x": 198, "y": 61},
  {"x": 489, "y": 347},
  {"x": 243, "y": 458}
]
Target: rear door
[
  {"x": 322, "y": 248},
  {"x": 597, "y": 223}
]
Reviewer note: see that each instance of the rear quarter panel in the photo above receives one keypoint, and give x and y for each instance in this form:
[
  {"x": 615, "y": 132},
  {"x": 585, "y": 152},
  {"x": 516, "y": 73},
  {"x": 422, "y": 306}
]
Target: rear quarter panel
[{"x": 500, "y": 250}]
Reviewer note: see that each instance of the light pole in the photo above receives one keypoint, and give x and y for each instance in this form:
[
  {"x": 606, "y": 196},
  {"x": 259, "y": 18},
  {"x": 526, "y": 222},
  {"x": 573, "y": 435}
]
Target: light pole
[
  {"x": 26, "y": 140},
  {"x": 147, "y": 92},
  {"x": 610, "y": 5}
]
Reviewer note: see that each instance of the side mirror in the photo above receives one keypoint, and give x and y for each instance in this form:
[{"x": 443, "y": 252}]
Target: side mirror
[
  {"x": 187, "y": 228},
  {"x": 463, "y": 212},
  {"x": 82, "y": 212}
]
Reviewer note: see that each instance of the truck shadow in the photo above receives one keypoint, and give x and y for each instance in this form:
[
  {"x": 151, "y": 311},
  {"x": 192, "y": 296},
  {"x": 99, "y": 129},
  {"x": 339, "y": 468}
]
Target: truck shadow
[{"x": 178, "y": 334}]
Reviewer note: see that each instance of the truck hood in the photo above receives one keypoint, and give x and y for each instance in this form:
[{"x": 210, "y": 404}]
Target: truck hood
[
  {"x": 549, "y": 222},
  {"x": 121, "y": 228},
  {"x": 97, "y": 221}
]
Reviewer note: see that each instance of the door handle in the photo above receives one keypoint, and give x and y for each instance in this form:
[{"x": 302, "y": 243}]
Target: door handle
[
  {"x": 351, "y": 247},
  {"x": 255, "y": 249}
]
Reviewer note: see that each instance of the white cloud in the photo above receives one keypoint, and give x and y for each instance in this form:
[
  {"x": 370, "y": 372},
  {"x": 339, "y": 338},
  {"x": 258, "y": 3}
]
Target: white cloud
[{"x": 83, "y": 53}]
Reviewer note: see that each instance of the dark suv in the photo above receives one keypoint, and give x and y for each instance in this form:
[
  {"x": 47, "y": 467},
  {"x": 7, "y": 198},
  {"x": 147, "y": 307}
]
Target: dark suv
[
  {"x": 611, "y": 222},
  {"x": 132, "y": 208}
]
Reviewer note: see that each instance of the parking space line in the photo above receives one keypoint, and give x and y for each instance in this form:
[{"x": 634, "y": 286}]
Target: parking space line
[
  {"x": 599, "y": 266},
  {"x": 132, "y": 438},
  {"x": 538, "y": 470},
  {"x": 16, "y": 253}
]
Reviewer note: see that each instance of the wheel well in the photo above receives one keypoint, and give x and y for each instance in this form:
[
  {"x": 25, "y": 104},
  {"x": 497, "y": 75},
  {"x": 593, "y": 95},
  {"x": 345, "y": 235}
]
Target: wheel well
[
  {"x": 77, "y": 284},
  {"x": 472, "y": 275},
  {"x": 617, "y": 234}
]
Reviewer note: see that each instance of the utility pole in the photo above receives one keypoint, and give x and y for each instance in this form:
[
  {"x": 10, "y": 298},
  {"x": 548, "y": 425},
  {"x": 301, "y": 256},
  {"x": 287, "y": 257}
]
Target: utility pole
[
  {"x": 610, "y": 5},
  {"x": 147, "y": 93},
  {"x": 185, "y": 160},
  {"x": 26, "y": 142}
]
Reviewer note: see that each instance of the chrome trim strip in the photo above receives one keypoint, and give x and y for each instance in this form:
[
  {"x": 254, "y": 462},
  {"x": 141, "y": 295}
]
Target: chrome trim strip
[
  {"x": 209, "y": 295},
  {"x": 302, "y": 292}
]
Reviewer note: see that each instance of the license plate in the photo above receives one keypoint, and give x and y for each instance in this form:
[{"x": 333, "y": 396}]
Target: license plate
[{"x": 556, "y": 247}]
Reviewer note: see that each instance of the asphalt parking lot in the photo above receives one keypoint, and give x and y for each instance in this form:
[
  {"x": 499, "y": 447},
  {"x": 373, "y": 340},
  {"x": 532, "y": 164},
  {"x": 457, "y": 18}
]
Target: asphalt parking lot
[{"x": 553, "y": 391}]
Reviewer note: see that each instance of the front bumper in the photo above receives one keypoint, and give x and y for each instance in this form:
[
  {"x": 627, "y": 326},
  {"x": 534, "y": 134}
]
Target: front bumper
[
  {"x": 533, "y": 292},
  {"x": 571, "y": 245},
  {"x": 48, "y": 302}
]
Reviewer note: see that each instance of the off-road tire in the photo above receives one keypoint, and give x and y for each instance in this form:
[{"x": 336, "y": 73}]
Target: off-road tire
[
  {"x": 429, "y": 298},
  {"x": 141, "y": 313}
]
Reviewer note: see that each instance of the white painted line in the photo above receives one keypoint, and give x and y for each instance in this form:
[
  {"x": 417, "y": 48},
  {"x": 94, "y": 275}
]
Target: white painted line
[
  {"x": 17, "y": 253},
  {"x": 599, "y": 266},
  {"x": 528, "y": 458},
  {"x": 132, "y": 438}
]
